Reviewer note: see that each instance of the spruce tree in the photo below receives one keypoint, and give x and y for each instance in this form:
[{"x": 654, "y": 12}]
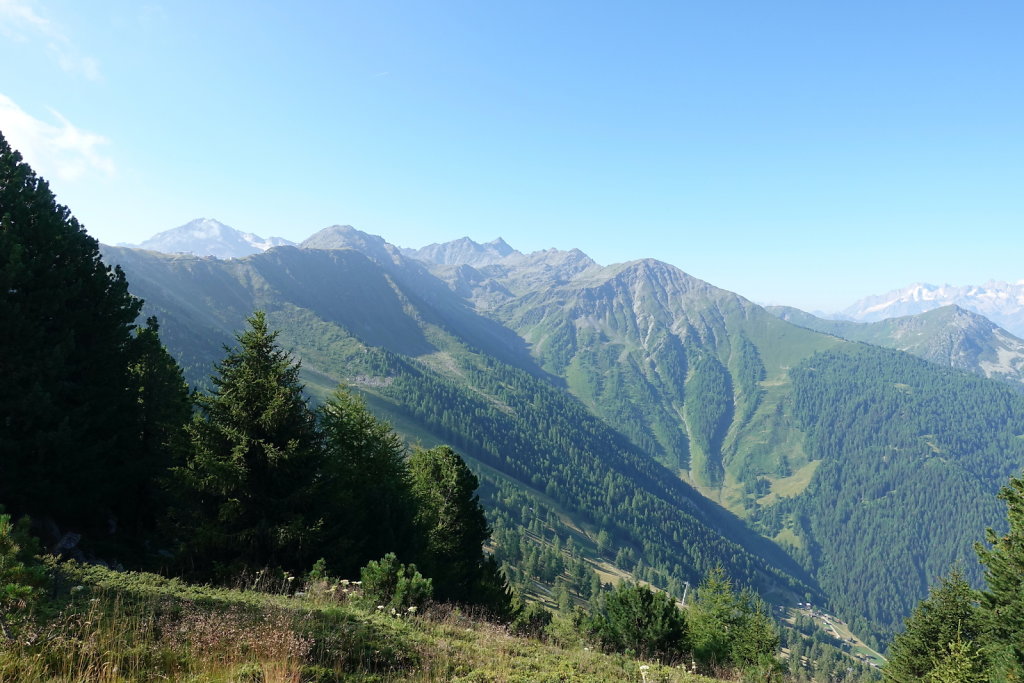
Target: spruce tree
[
  {"x": 164, "y": 410},
  {"x": 1002, "y": 601},
  {"x": 949, "y": 614},
  {"x": 247, "y": 490},
  {"x": 67, "y": 413},
  {"x": 732, "y": 629},
  {"x": 365, "y": 488},
  {"x": 451, "y": 519}
]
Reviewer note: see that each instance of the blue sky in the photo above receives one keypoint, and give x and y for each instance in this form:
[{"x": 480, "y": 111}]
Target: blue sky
[{"x": 806, "y": 153}]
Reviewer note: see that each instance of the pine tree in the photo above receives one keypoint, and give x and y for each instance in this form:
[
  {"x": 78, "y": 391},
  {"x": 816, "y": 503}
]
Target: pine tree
[
  {"x": 451, "y": 519},
  {"x": 365, "y": 489},
  {"x": 248, "y": 486},
  {"x": 1002, "y": 601},
  {"x": 633, "y": 618},
  {"x": 21, "y": 575},
  {"x": 164, "y": 410},
  {"x": 948, "y": 614},
  {"x": 713, "y": 617},
  {"x": 67, "y": 414},
  {"x": 958, "y": 662},
  {"x": 732, "y": 629}
]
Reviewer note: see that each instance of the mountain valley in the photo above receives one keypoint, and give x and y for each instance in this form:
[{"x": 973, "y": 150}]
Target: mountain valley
[{"x": 630, "y": 401}]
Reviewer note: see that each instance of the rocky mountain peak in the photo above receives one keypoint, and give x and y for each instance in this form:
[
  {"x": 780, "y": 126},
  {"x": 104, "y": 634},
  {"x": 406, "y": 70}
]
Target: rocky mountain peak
[{"x": 209, "y": 237}]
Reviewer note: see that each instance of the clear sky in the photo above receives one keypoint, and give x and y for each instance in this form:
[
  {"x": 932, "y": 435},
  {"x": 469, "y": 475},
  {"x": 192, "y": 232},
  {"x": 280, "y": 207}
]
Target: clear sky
[{"x": 806, "y": 153}]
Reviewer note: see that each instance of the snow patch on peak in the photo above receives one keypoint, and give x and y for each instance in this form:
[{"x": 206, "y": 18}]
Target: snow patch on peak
[
  {"x": 1001, "y": 302},
  {"x": 210, "y": 237}
]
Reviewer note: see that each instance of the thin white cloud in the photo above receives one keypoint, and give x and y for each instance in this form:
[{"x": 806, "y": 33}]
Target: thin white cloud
[
  {"x": 20, "y": 21},
  {"x": 58, "y": 149}
]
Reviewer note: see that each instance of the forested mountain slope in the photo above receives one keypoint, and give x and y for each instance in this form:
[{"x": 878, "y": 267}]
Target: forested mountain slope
[
  {"x": 911, "y": 457},
  {"x": 949, "y": 335},
  {"x": 416, "y": 349},
  {"x": 598, "y": 391}
]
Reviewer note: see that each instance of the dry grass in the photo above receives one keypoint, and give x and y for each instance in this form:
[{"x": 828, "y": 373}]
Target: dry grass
[{"x": 113, "y": 628}]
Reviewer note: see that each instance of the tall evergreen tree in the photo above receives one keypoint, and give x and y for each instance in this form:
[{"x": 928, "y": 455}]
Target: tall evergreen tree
[
  {"x": 365, "y": 488},
  {"x": 164, "y": 410},
  {"x": 949, "y": 614},
  {"x": 1002, "y": 601},
  {"x": 731, "y": 629},
  {"x": 451, "y": 519},
  {"x": 248, "y": 486},
  {"x": 67, "y": 414}
]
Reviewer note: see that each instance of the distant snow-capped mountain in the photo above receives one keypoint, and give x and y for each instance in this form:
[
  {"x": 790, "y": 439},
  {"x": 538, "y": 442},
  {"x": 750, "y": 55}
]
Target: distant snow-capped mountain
[
  {"x": 1001, "y": 302},
  {"x": 209, "y": 237}
]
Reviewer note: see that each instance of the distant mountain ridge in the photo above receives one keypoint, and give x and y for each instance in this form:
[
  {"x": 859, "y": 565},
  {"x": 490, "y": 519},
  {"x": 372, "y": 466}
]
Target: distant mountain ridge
[
  {"x": 948, "y": 335},
  {"x": 209, "y": 237},
  {"x": 463, "y": 251},
  {"x": 1000, "y": 302}
]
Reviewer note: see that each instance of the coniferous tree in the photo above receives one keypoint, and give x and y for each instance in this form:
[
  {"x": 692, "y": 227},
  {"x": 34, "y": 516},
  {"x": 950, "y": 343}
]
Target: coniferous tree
[
  {"x": 67, "y": 414},
  {"x": 248, "y": 486},
  {"x": 949, "y": 614},
  {"x": 633, "y": 618},
  {"x": 959, "y": 662},
  {"x": 365, "y": 489},
  {"x": 164, "y": 410},
  {"x": 1002, "y": 601},
  {"x": 451, "y": 519},
  {"x": 731, "y": 629},
  {"x": 21, "y": 575}
]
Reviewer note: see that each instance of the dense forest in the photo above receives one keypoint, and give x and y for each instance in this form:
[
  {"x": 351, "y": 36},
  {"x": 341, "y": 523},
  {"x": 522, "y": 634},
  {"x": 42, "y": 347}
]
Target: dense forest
[{"x": 901, "y": 443}]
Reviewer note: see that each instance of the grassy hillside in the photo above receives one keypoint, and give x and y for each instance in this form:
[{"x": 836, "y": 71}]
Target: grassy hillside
[{"x": 101, "y": 625}]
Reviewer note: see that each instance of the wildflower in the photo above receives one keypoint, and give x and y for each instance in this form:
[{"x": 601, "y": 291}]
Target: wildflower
[
  {"x": 412, "y": 609},
  {"x": 380, "y": 608}
]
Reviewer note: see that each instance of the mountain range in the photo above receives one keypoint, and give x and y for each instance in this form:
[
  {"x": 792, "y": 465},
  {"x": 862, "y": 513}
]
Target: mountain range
[
  {"x": 209, "y": 237},
  {"x": 1001, "y": 302},
  {"x": 663, "y": 423},
  {"x": 949, "y": 336}
]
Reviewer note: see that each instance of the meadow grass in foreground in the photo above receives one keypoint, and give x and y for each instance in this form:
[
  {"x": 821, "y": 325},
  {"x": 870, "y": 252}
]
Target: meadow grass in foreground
[{"x": 106, "y": 626}]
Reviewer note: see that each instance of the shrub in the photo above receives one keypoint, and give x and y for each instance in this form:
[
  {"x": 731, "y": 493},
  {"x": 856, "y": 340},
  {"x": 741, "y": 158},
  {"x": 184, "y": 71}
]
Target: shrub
[
  {"x": 392, "y": 584},
  {"x": 531, "y": 621},
  {"x": 635, "y": 619},
  {"x": 21, "y": 575}
]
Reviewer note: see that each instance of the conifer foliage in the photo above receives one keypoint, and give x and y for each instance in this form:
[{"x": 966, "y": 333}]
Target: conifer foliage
[
  {"x": 365, "y": 487},
  {"x": 452, "y": 521},
  {"x": 729, "y": 628},
  {"x": 948, "y": 616},
  {"x": 1002, "y": 601},
  {"x": 633, "y": 618},
  {"x": 248, "y": 486},
  {"x": 66, "y": 412}
]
